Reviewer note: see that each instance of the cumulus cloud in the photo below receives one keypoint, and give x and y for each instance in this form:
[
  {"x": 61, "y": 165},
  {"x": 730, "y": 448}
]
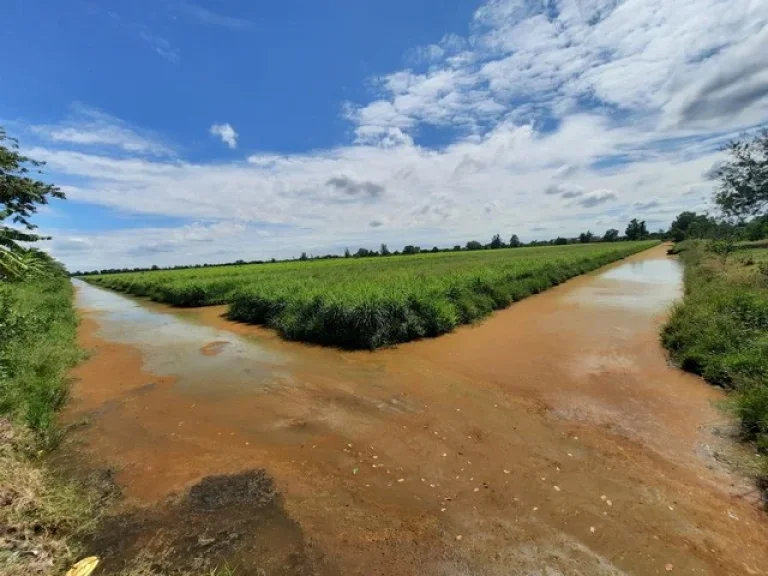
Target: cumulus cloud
[
  {"x": 647, "y": 204},
  {"x": 565, "y": 190},
  {"x": 596, "y": 198},
  {"x": 356, "y": 188},
  {"x": 226, "y": 133}
]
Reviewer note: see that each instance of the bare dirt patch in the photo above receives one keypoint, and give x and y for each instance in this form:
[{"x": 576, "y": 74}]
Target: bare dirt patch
[{"x": 228, "y": 520}]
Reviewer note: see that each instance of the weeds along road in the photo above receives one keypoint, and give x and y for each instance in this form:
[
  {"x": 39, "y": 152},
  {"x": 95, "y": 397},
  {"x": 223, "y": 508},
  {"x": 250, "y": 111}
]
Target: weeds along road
[{"x": 552, "y": 438}]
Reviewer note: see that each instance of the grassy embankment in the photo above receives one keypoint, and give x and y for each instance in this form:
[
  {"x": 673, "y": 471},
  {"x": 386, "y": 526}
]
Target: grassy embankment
[
  {"x": 372, "y": 302},
  {"x": 720, "y": 329},
  {"x": 40, "y": 515}
]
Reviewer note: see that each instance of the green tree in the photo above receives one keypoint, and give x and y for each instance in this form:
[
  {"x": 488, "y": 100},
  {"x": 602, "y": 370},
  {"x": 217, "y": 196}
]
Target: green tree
[
  {"x": 474, "y": 245},
  {"x": 560, "y": 241},
  {"x": 496, "y": 242},
  {"x": 20, "y": 197},
  {"x": 611, "y": 235},
  {"x": 636, "y": 230},
  {"x": 384, "y": 250},
  {"x": 680, "y": 225},
  {"x": 586, "y": 237},
  {"x": 347, "y": 253},
  {"x": 303, "y": 256},
  {"x": 743, "y": 189},
  {"x": 514, "y": 241}
]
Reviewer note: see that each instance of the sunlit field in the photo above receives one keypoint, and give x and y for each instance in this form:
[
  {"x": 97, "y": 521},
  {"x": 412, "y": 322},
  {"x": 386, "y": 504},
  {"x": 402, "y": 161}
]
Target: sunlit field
[{"x": 372, "y": 302}]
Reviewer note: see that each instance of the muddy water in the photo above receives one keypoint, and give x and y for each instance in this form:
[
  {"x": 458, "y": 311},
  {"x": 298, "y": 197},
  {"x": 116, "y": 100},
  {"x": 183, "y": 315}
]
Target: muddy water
[{"x": 553, "y": 438}]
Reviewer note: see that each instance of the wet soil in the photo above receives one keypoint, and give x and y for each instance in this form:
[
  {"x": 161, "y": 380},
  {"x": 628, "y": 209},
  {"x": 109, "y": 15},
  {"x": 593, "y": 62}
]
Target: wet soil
[{"x": 553, "y": 438}]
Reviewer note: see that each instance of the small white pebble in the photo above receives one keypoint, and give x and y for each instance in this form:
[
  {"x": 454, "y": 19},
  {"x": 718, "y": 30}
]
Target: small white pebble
[
  {"x": 459, "y": 537},
  {"x": 431, "y": 485},
  {"x": 477, "y": 489},
  {"x": 375, "y": 457},
  {"x": 609, "y": 503},
  {"x": 458, "y": 409},
  {"x": 445, "y": 454},
  {"x": 506, "y": 471},
  {"x": 603, "y": 497},
  {"x": 401, "y": 479},
  {"x": 592, "y": 529},
  {"x": 349, "y": 445},
  {"x": 442, "y": 509},
  {"x": 557, "y": 488},
  {"x": 569, "y": 454},
  {"x": 535, "y": 508}
]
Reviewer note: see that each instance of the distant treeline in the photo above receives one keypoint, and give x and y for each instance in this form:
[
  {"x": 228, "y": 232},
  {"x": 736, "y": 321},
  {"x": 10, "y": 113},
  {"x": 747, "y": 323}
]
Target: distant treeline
[
  {"x": 636, "y": 230},
  {"x": 686, "y": 225}
]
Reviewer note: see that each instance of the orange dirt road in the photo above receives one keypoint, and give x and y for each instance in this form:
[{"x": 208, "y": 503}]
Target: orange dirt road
[{"x": 553, "y": 438}]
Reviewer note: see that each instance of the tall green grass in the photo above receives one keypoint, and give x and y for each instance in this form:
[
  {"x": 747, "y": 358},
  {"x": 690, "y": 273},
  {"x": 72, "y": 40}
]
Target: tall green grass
[
  {"x": 37, "y": 347},
  {"x": 720, "y": 329},
  {"x": 373, "y": 302}
]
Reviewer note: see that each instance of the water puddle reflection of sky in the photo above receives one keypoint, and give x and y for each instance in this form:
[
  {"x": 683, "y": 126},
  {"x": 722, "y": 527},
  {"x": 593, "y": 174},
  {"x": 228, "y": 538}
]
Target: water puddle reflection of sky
[
  {"x": 173, "y": 345},
  {"x": 644, "y": 285}
]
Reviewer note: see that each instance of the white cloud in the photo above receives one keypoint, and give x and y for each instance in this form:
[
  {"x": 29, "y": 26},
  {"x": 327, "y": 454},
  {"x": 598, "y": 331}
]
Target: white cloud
[
  {"x": 211, "y": 18},
  {"x": 595, "y": 198},
  {"x": 161, "y": 46},
  {"x": 562, "y": 116},
  {"x": 226, "y": 133},
  {"x": 92, "y": 128}
]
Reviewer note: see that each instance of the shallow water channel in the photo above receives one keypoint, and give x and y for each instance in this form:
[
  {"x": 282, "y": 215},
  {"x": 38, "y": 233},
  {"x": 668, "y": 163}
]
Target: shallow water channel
[{"x": 552, "y": 438}]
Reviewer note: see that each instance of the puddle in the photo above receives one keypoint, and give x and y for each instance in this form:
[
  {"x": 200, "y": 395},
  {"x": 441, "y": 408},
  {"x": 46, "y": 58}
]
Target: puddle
[
  {"x": 644, "y": 285},
  {"x": 171, "y": 343}
]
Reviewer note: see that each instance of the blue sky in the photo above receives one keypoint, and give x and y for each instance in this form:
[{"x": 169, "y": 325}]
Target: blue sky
[{"x": 208, "y": 131}]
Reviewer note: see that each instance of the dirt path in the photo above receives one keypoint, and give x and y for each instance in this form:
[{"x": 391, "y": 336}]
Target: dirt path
[{"x": 551, "y": 439}]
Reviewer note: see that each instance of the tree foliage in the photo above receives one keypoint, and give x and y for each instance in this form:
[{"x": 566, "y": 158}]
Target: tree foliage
[
  {"x": 496, "y": 242},
  {"x": 586, "y": 237},
  {"x": 636, "y": 230},
  {"x": 20, "y": 197},
  {"x": 743, "y": 189},
  {"x": 514, "y": 241},
  {"x": 611, "y": 235}
]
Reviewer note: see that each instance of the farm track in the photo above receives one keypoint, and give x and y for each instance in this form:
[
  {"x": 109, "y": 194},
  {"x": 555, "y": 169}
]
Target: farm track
[{"x": 553, "y": 438}]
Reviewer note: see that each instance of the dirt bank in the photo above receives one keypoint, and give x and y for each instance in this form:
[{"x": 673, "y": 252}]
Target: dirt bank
[{"x": 551, "y": 439}]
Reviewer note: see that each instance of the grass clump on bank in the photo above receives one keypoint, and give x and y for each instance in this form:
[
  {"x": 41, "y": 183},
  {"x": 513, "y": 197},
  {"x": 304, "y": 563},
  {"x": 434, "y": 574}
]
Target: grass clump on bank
[
  {"x": 38, "y": 323},
  {"x": 720, "y": 329},
  {"x": 40, "y": 515},
  {"x": 369, "y": 303}
]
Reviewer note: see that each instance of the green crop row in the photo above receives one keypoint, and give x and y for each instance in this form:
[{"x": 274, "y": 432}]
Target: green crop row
[{"x": 373, "y": 302}]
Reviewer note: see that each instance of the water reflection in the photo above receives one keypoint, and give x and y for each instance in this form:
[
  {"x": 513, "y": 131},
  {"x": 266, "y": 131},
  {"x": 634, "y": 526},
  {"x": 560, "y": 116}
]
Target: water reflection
[
  {"x": 646, "y": 285},
  {"x": 172, "y": 345}
]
